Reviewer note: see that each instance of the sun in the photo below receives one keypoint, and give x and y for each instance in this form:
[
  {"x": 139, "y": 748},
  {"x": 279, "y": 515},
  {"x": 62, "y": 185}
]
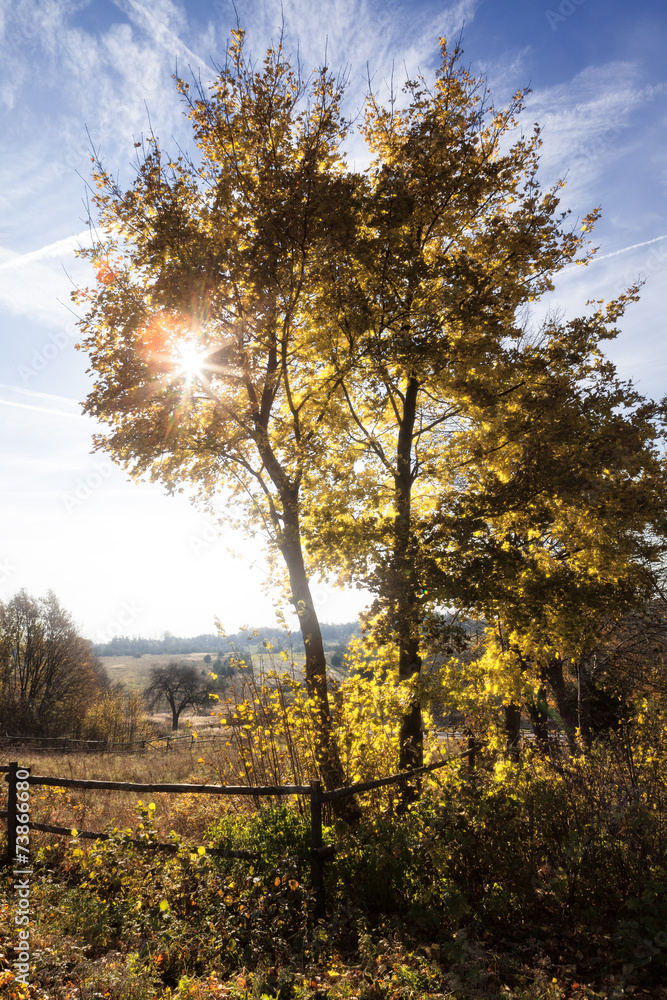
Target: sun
[{"x": 191, "y": 359}]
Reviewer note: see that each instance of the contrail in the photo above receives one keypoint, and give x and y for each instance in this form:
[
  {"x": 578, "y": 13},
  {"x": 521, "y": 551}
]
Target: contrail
[
  {"x": 39, "y": 395},
  {"x": 43, "y": 409},
  {"x": 572, "y": 268},
  {"x": 635, "y": 246},
  {"x": 161, "y": 32},
  {"x": 57, "y": 249}
]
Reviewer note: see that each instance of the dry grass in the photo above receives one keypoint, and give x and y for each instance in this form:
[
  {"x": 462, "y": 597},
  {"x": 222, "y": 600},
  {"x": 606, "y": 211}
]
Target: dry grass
[
  {"x": 134, "y": 671},
  {"x": 85, "y": 809}
]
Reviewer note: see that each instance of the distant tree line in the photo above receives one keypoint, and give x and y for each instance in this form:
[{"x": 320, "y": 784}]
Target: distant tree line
[
  {"x": 52, "y": 682},
  {"x": 122, "y": 645}
]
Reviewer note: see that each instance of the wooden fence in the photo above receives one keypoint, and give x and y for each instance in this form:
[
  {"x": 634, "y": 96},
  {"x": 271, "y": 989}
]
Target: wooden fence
[
  {"x": 66, "y": 745},
  {"x": 319, "y": 852}
]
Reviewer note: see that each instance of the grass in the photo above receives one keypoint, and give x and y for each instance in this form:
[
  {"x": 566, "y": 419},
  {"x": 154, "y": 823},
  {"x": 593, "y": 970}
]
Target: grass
[
  {"x": 134, "y": 671},
  {"x": 154, "y": 928},
  {"x": 187, "y": 815}
]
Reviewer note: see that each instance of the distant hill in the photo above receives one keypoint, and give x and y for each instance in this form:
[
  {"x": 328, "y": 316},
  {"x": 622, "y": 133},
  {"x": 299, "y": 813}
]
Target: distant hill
[{"x": 123, "y": 645}]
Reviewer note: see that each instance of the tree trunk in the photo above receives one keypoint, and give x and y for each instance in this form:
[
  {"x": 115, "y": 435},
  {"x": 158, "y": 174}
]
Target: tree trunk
[
  {"x": 174, "y": 711},
  {"x": 584, "y": 691},
  {"x": 537, "y": 710},
  {"x": 513, "y": 726},
  {"x": 567, "y": 705},
  {"x": 316, "y": 664},
  {"x": 404, "y": 584}
]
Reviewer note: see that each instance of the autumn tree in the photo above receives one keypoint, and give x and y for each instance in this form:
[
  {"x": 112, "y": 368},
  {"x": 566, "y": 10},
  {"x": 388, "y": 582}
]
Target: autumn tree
[
  {"x": 342, "y": 354},
  {"x": 556, "y": 529},
  {"x": 48, "y": 673},
  {"x": 180, "y": 685},
  {"x": 457, "y": 239},
  {"x": 210, "y": 371},
  {"x": 116, "y": 716}
]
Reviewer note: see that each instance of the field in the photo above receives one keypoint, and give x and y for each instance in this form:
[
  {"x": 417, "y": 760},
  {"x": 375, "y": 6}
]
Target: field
[
  {"x": 526, "y": 874},
  {"x": 133, "y": 671}
]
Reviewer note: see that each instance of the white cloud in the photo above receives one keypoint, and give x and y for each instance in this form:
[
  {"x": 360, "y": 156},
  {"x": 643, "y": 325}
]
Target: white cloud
[
  {"x": 163, "y": 22},
  {"x": 366, "y": 36},
  {"x": 37, "y": 290},
  {"x": 39, "y": 395},
  {"x": 634, "y": 246}
]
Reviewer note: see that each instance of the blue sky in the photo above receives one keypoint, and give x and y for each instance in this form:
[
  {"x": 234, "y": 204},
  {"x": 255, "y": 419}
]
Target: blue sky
[{"x": 122, "y": 556}]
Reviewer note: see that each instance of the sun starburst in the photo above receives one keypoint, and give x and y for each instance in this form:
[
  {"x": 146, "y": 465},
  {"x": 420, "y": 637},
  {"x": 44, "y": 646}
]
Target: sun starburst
[{"x": 191, "y": 359}]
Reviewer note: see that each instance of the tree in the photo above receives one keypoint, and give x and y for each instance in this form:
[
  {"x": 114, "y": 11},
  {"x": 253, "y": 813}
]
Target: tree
[
  {"x": 458, "y": 239},
  {"x": 209, "y": 367},
  {"x": 181, "y": 685},
  {"x": 342, "y": 354},
  {"x": 48, "y": 673}
]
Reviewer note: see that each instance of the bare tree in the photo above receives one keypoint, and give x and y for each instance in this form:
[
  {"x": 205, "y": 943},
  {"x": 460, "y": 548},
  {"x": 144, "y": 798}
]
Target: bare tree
[{"x": 181, "y": 685}]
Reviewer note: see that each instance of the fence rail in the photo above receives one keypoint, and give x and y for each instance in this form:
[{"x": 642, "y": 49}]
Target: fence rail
[
  {"x": 319, "y": 852},
  {"x": 67, "y": 745},
  {"x": 175, "y": 789}
]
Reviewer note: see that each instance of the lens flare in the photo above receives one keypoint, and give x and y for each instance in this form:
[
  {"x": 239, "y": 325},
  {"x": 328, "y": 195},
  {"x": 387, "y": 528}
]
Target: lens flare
[{"x": 190, "y": 359}]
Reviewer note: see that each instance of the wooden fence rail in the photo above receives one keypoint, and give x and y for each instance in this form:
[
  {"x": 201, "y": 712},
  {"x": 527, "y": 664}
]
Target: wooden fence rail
[
  {"x": 67, "y": 745},
  {"x": 319, "y": 852},
  {"x": 162, "y": 744}
]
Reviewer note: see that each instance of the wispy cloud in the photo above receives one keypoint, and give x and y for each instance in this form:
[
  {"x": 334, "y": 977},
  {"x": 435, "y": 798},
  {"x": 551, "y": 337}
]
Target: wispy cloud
[
  {"x": 587, "y": 122},
  {"x": 164, "y": 23},
  {"x": 55, "y": 410},
  {"x": 366, "y": 37}
]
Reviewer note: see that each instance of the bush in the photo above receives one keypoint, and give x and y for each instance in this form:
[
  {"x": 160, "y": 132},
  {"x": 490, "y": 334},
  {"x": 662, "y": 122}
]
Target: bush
[{"x": 185, "y": 912}]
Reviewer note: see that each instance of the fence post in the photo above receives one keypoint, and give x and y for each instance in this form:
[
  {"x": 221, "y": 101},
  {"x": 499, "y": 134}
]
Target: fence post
[
  {"x": 316, "y": 859},
  {"x": 11, "y": 813},
  {"x": 472, "y": 751}
]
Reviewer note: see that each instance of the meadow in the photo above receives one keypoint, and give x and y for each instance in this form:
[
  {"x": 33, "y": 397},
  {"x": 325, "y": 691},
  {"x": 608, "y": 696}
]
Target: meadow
[{"x": 134, "y": 671}]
